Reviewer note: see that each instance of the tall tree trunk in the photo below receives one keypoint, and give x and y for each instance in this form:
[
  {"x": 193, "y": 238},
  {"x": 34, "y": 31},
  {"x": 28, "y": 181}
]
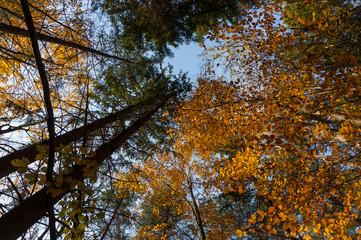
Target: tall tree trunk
[
  {"x": 18, "y": 220},
  {"x": 49, "y": 111},
  {"x": 196, "y": 212},
  {"x": 30, "y": 152}
]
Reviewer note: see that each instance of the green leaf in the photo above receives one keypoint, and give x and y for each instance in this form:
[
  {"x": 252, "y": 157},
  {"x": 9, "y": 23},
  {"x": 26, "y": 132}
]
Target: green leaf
[
  {"x": 100, "y": 215},
  {"x": 30, "y": 176},
  {"x": 41, "y": 148}
]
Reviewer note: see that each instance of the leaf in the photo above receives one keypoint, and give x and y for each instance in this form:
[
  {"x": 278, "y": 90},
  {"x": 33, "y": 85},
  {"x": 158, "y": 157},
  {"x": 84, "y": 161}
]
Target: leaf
[
  {"x": 239, "y": 233},
  {"x": 299, "y": 19},
  {"x": 81, "y": 227},
  {"x": 100, "y": 215},
  {"x": 41, "y": 156},
  {"x": 30, "y": 176},
  {"x": 59, "y": 181},
  {"x": 22, "y": 170},
  {"x": 41, "y": 149},
  {"x": 19, "y": 163},
  {"x": 42, "y": 178},
  {"x": 84, "y": 150}
]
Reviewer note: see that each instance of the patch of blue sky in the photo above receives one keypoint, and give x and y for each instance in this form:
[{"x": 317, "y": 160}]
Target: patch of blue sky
[{"x": 187, "y": 58}]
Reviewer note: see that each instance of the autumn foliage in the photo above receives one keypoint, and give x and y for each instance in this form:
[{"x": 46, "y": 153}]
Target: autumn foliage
[
  {"x": 266, "y": 145},
  {"x": 67, "y": 67},
  {"x": 280, "y": 129}
]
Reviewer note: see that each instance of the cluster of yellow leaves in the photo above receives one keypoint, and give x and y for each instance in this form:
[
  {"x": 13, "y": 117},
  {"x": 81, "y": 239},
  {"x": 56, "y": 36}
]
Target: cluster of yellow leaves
[
  {"x": 286, "y": 125},
  {"x": 76, "y": 213},
  {"x": 68, "y": 159},
  {"x": 300, "y": 124},
  {"x": 21, "y": 93},
  {"x": 67, "y": 68},
  {"x": 69, "y": 73},
  {"x": 174, "y": 186}
]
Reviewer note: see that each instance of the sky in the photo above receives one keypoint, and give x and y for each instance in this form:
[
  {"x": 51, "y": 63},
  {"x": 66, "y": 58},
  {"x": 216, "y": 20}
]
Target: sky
[{"x": 187, "y": 58}]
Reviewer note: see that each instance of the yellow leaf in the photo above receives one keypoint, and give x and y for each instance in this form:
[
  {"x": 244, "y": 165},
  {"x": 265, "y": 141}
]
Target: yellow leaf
[
  {"x": 42, "y": 178},
  {"x": 84, "y": 150},
  {"x": 239, "y": 233},
  {"x": 40, "y": 156},
  {"x": 260, "y": 212},
  {"x": 59, "y": 181},
  {"x": 299, "y": 19},
  {"x": 41, "y": 148},
  {"x": 30, "y": 176},
  {"x": 18, "y": 163}
]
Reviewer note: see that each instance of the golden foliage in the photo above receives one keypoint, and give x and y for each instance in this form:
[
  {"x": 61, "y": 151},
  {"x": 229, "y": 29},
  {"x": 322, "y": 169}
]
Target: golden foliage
[{"x": 285, "y": 125}]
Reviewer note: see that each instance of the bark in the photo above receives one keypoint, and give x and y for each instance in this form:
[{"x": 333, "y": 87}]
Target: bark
[
  {"x": 49, "y": 110},
  {"x": 196, "y": 212},
  {"x": 43, "y": 37},
  {"x": 33, "y": 208},
  {"x": 30, "y": 152}
]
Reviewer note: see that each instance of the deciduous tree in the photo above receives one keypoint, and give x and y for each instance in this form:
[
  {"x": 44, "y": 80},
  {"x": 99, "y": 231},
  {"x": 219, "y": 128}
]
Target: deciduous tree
[
  {"x": 67, "y": 154},
  {"x": 285, "y": 125}
]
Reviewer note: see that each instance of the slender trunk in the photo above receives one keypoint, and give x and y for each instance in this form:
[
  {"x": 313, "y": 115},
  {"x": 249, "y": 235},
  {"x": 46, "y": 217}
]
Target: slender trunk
[
  {"x": 196, "y": 212},
  {"x": 49, "y": 111},
  {"x": 18, "y": 220},
  {"x": 30, "y": 152}
]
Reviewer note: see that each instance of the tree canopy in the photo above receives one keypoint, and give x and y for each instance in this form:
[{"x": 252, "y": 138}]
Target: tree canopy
[
  {"x": 273, "y": 150},
  {"x": 56, "y": 137},
  {"x": 164, "y": 23},
  {"x": 100, "y": 141}
]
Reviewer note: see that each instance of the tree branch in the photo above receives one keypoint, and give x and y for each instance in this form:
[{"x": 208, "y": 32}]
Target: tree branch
[{"x": 43, "y": 37}]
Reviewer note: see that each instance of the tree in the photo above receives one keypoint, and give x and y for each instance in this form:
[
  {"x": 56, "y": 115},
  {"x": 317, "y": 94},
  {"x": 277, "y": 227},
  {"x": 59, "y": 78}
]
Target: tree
[
  {"x": 297, "y": 111},
  {"x": 69, "y": 160},
  {"x": 285, "y": 127},
  {"x": 34, "y": 206},
  {"x": 162, "y": 23},
  {"x": 301, "y": 18},
  {"x": 170, "y": 198}
]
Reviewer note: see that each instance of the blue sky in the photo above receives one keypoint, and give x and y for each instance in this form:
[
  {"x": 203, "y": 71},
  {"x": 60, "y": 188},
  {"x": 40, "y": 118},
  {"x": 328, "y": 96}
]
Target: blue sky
[{"x": 187, "y": 59}]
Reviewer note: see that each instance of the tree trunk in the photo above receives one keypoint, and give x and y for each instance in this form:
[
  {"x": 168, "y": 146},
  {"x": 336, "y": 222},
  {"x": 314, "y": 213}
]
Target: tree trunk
[
  {"x": 30, "y": 152},
  {"x": 18, "y": 220},
  {"x": 196, "y": 212}
]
